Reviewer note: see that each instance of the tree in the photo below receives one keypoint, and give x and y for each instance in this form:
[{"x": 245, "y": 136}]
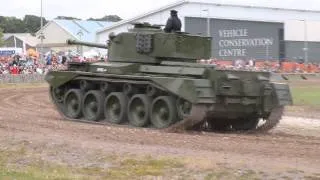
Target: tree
[
  {"x": 1, "y": 37},
  {"x": 29, "y": 24},
  {"x": 111, "y": 18},
  {"x": 12, "y": 25},
  {"x": 67, "y": 18},
  {"x": 33, "y": 23}
]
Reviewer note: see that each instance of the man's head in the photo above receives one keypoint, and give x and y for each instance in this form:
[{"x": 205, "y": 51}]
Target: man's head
[{"x": 173, "y": 12}]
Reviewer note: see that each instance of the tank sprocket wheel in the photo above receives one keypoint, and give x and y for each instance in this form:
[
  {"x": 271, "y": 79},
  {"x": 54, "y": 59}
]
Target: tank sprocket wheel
[
  {"x": 92, "y": 105},
  {"x": 245, "y": 124},
  {"x": 272, "y": 120},
  {"x": 183, "y": 108},
  {"x": 73, "y": 103},
  {"x": 163, "y": 112},
  {"x": 115, "y": 107},
  {"x": 221, "y": 125},
  {"x": 138, "y": 110}
]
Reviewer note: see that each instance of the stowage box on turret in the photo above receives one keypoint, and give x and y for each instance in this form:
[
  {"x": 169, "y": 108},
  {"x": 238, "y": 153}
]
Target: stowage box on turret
[{"x": 152, "y": 79}]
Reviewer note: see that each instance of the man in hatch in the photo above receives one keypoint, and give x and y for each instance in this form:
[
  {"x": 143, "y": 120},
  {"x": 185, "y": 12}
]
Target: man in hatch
[{"x": 173, "y": 23}]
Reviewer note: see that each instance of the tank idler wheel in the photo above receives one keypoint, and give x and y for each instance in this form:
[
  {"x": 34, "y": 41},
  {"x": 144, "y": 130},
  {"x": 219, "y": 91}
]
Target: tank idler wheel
[
  {"x": 163, "y": 112},
  {"x": 73, "y": 103},
  {"x": 138, "y": 110},
  {"x": 57, "y": 94},
  {"x": 115, "y": 107},
  {"x": 92, "y": 105},
  {"x": 57, "y": 97}
]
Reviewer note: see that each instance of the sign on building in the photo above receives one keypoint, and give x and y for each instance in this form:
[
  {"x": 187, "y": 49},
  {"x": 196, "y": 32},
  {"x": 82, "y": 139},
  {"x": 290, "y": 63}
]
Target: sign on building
[
  {"x": 10, "y": 51},
  {"x": 239, "y": 39}
]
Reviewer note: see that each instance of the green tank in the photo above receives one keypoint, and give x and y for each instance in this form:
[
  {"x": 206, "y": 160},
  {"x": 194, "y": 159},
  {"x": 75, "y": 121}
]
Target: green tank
[{"x": 152, "y": 80}]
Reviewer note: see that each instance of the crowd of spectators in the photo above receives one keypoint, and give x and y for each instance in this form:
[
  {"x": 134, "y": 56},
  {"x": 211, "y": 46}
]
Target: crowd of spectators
[
  {"x": 17, "y": 64},
  {"x": 265, "y": 65}
]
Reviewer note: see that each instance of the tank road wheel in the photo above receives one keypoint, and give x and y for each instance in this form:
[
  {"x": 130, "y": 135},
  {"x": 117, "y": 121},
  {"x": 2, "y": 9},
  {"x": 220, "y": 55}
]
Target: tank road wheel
[
  {"x": 92, "y": 105},
  {"x": 115, "y": 107},
  {"x": 163, "y": 112},
  {"x": 72, "y": 102},
  {"x": 138, "y": 110}
]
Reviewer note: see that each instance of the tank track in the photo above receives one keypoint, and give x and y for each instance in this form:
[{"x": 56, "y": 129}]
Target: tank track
[
  {"x": 226, "y": 126},
  {"x": 196, "y": 116},
  {"x": 195, "y": 120}
]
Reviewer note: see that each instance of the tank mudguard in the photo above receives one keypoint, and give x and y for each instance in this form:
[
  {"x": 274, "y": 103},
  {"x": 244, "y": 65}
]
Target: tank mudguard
[
  {"x": 58, "y": 78},
  {"x": 282, "y": 94},
  {"x": 193, "y": 90}
]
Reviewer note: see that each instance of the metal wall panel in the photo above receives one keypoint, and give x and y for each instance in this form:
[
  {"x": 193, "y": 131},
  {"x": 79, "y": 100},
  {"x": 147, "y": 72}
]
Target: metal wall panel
[
  {"x": 295, "y": 51},
  {"x": 235, "y": 39}
]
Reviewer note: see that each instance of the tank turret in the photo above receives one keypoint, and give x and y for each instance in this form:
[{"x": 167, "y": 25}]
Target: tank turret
[{"x": 146, "y": 43}]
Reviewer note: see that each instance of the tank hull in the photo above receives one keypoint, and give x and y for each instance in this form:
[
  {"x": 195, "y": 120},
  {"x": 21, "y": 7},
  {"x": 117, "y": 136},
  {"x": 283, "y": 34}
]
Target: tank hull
[{"x": 167, "y": 97}]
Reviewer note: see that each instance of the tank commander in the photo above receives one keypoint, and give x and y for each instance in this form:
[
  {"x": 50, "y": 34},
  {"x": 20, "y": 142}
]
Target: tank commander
[{"x": 173, "y": 23}]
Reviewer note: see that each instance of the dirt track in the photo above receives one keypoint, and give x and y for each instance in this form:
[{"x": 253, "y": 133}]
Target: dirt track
[{"x": 26, "y": 115}]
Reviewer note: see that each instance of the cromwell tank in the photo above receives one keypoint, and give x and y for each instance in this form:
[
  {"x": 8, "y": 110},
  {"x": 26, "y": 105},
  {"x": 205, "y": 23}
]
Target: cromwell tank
[{"x": 152, "y": 80}]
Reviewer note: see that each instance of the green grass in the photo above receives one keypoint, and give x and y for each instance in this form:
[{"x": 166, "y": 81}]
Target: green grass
[
  {"x": 14, "y": 164},
  {"x": 21, "y": 162},
  {"x": 306, "y": 94},
  {"x": 144, "y": 167},
  {"x": 18, "y": 164},
  {"x": 231, "y": 174}
]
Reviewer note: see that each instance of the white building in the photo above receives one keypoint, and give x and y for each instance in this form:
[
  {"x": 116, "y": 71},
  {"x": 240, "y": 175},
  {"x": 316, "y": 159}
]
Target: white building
[
  {"x": 291, "y": 25},
  {"x": 56, "y": 32},
  {"x": 23, "y": 41}
]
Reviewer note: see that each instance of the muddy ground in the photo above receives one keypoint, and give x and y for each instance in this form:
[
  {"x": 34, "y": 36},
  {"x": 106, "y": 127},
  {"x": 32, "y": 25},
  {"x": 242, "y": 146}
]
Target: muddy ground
[{"x": 290, "y": 151}]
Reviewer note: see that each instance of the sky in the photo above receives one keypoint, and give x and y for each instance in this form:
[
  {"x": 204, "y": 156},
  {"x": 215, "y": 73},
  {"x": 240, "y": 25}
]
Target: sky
[{"x": 85, "y": 9}]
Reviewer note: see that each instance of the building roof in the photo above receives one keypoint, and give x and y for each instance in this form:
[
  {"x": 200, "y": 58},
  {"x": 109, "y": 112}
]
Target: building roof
[
  {"x": 294, "y": 5},
  {"x": 143, "y": 15},
  {"x": 25, "y": 37},
  {"x": 261, "y": 4},
  {"x": 82, "y": 29},
  {"x": 6, "y": 36}
]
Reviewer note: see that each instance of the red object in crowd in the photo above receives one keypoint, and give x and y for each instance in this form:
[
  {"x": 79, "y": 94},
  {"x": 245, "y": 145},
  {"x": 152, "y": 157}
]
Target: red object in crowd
[{"x": 14, "y": 70}]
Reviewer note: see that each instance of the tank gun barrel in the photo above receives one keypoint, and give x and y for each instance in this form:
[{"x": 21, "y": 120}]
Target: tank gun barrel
[{"x": 97, "y": 45}]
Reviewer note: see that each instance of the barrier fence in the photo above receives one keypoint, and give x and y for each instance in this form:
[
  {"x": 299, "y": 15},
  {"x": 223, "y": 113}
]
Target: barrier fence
[
  {"x": 21, "y": 78},
  {"x": 39, "y": 78}
]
